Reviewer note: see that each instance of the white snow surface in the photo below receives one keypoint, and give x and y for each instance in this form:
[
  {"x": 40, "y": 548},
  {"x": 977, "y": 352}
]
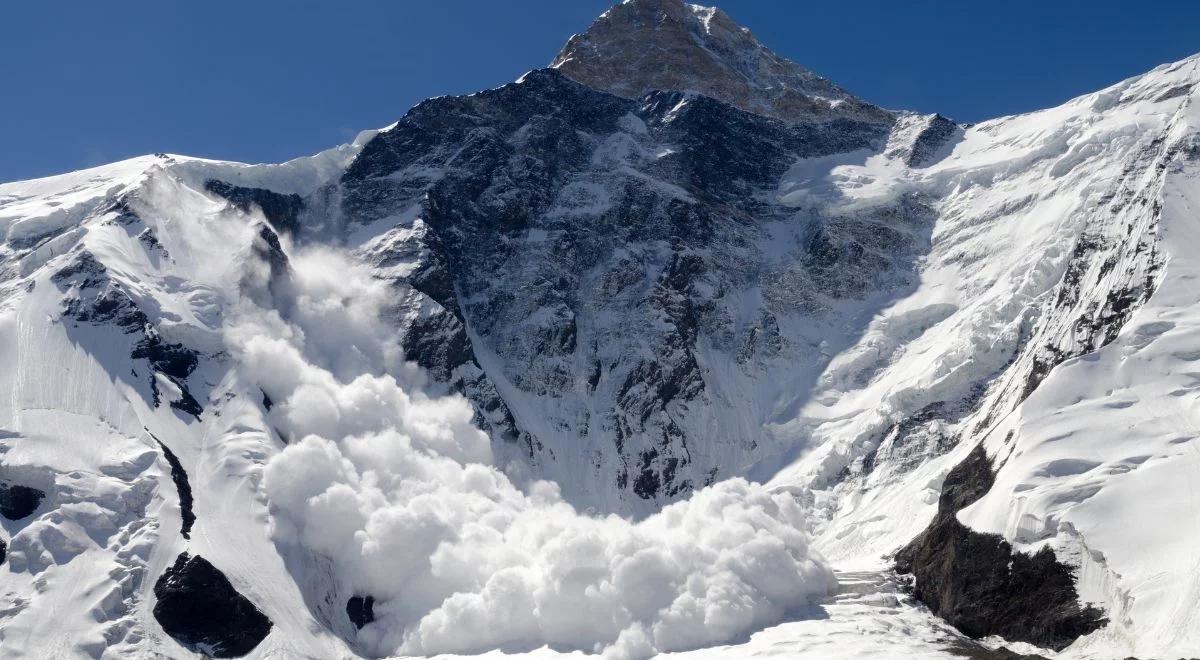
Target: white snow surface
[{"x": 392, "y": 490}]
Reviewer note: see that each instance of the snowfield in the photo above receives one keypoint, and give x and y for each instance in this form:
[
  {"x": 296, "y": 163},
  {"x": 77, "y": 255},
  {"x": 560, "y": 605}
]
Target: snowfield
[{"x": 240, "y": 344}]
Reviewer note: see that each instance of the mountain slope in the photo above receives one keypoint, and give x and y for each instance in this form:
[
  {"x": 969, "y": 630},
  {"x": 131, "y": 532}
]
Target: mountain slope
[
  {"x": 642, "y": 46},
  {"x": 642, "y": 284}
]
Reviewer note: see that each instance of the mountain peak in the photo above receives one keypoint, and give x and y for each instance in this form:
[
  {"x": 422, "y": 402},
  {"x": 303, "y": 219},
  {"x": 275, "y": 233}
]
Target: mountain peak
[{"x": 640, "y": 46}]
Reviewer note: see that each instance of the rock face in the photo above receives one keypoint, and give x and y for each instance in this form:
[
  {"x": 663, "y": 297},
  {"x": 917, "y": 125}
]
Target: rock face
[
  {"x": 184, "y": 489},
  {"x": 918, "y": 140},
  {"x": 281, "y": 210},
  {"x": 17, "y": 501},
  {"x": 640, "y": 46},
  {"x": 200, "y": 609},
  {"x": 361, "y": 610},
  {"x": 581, "y": 266},
  {"x": 981, "y": 585},
  {"x": 95, "y": 296}
]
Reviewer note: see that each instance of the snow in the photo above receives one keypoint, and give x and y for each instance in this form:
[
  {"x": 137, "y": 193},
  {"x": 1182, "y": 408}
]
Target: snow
[
  {"x": 395, "y": 488},
  {"x": 381, "y": 488},
  {"x": 1103, "y": 464},
  {"x": 384, "y": 487},
  {"x": 1099, "y": 465}
]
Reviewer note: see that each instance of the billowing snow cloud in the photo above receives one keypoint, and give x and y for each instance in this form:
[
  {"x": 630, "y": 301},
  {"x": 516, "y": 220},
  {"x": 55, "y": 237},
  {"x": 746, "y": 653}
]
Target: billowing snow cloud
[{"x": 396, "y": 487}]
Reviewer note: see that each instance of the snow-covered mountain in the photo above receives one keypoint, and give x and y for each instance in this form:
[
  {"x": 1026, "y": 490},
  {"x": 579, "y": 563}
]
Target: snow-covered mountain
[{"x": 664, "y": 345}]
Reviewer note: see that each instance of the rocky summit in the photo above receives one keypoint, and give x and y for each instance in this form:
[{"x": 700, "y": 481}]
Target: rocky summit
[
  {"x": 652, "y": 45},
  {"x": 671, "y": 347}
]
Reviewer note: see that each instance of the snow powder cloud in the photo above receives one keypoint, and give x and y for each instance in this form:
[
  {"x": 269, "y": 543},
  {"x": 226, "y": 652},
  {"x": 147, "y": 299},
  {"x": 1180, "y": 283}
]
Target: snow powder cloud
[{"x": 396, "y": 488}]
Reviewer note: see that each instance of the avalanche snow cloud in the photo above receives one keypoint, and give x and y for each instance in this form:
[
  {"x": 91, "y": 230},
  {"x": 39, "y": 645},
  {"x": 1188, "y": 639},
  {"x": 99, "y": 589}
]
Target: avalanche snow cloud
[{"x": 395, "y": 487}]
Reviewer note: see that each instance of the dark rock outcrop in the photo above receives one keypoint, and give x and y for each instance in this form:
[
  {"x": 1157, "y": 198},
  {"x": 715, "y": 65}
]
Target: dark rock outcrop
[
  {"x": 17, "y": 502},
  {"x": 643, "y": 45},
  {"x": 930, "y": 141},
  {"x": 94, "y": 296},
  {"x": 179, "y": 476},
  {"x": 200, "y": 609},
  {"x": 980, "y": 585},
  {"x": 281, "y": 210},
  {"x": 174, "y": 361},
  {"x": 361, "y": 610}
]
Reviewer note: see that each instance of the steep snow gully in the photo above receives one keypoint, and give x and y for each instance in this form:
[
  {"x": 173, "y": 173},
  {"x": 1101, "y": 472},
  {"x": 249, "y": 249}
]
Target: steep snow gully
[{"x": 673, "y": 348}]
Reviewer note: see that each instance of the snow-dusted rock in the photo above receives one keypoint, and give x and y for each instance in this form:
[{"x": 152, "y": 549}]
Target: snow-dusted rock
[
  {"x": 669, "y": 260},
  {"x": 640, "y": 46}
]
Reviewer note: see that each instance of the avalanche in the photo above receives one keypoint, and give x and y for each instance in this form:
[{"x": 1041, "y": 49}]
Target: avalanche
[{"x": 581, "y": 366}]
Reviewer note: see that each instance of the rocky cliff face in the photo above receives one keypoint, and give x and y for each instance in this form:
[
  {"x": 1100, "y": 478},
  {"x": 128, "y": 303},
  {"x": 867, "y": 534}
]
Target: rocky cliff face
[
  {"x": 608, "y": 278},
  {"x": 641, "y": 46}
]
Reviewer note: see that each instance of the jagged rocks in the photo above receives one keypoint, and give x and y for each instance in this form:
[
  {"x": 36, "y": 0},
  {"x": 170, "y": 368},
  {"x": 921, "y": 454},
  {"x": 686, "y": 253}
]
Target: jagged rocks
[
  {"x": 361, "y": 610},
  {"x": 200, "y": 609},
  {"x": 979, "y": 584},
  {"x": 281, "y": 210},
  {"x": 179, "y": 476},
  {"x": 644, "y": 45},
  {"x": 17, "y": 502},
  {"x": 173, "y": 361},
  {"x": 936, "y": 133},
  {"x": 94, "y": 297},
  {"x": 594, "y": 245}
]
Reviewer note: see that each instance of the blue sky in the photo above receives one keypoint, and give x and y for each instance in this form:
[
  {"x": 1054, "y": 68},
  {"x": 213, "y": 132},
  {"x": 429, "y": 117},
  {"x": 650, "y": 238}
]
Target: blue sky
[{"x": 84, "y": 82}]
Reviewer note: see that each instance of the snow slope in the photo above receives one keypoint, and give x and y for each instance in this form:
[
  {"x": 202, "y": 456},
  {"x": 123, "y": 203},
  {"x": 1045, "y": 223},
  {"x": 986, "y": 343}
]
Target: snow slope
[
  {"x": 644, "y": 297},
  {"x": 1101, "y": 464}
]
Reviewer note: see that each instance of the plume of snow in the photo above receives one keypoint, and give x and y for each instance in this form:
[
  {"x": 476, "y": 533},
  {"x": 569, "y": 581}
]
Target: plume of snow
[{"x": 396, "y": 487}]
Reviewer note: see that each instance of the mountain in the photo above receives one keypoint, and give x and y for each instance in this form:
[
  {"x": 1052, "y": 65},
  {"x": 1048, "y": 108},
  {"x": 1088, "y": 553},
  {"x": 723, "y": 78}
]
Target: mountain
[
  {"x": 649, "y": 45},
  {"x": 671, "y": 345}
]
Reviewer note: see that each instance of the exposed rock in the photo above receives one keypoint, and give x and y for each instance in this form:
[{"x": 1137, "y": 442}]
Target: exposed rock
[
  {"x": 17, "y": 502},
  {"x": 640, "y": 46},
  {"x": 976, "y": 651},
  {"x": 592, "y": 244},
  {"x": 918, "y": 140},
  {"x": 179, "y": 476},
  {"x": 361, "y": 610},
  {"x": 95, "y": 297},
  {"x": 281, "y": 210},
  {"x": 200, "y": 609},
  {"x": 935, "y": 135},
  {"x": 269, "y": 249},
  {"x": 980, "y": 585},
  {"x": 174, "y": 361}
]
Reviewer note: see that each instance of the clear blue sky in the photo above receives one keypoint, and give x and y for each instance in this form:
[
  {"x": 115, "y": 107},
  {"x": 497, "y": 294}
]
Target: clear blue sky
[{"x": 83, "y": 82}]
